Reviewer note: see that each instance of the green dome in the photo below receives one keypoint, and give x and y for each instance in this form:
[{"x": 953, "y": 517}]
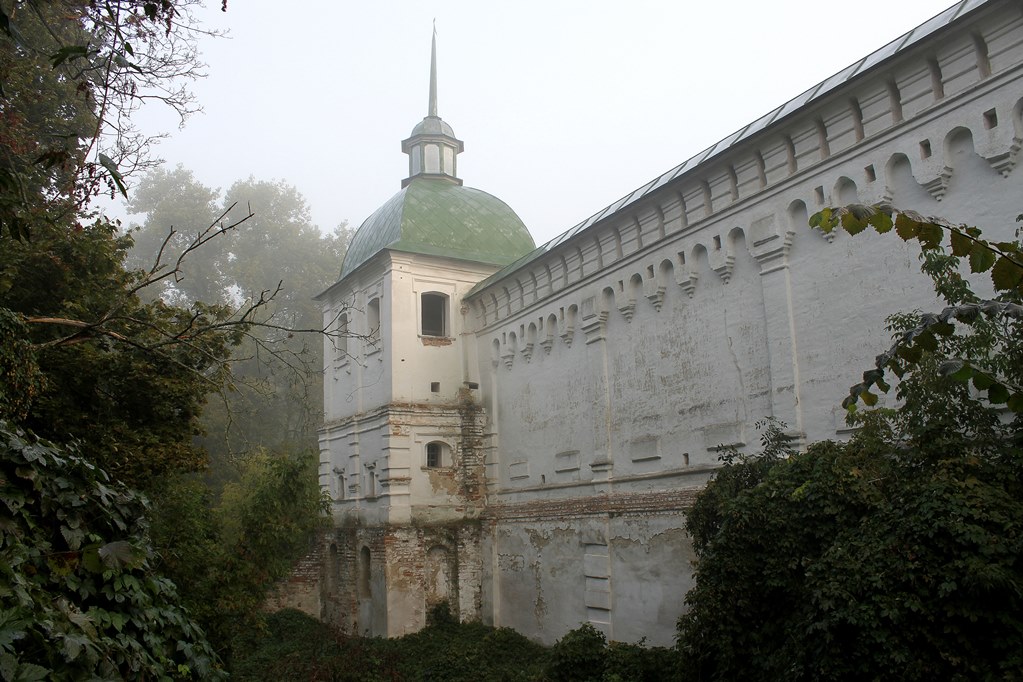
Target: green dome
[{"x": 441, "y": 218}]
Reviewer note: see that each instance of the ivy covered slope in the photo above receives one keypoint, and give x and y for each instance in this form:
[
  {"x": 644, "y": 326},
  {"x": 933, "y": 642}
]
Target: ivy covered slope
[
  {"x": 78, "y": 598},
  {"x": 899, "y": 554}
]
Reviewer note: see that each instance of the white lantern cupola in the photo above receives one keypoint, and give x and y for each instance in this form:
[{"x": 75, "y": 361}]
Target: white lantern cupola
[{"x": 432, "y": 147}]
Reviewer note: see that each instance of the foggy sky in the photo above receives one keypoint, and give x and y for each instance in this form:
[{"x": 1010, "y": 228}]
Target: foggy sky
[{"x": 564, "y": 105}]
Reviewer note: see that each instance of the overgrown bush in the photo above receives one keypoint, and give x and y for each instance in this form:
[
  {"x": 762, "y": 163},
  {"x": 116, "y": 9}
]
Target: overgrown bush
[
  {"x": 79, "y": 598},
  {"x": 298, "y": 647}
]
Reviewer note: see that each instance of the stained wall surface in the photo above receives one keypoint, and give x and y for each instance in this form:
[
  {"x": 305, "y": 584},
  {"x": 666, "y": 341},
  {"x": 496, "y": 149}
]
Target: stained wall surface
[
  {"x": 587, "y": 391},
  {"x": 616, "y": 364}
]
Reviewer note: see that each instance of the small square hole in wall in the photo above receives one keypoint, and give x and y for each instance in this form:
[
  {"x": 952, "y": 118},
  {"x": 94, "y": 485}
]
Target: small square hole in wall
[
  {"x": 990, "y": 119},
  {"x": 685, "y": 459},
  {"x": 717, "y": 243},
  {"x": 435, "y": 386},
  {"x": 925, "y": 149},
  {"x": 650, "y": 271},
  {"x": 819, "y": 194},
  {"x": 871, "y": 175}
]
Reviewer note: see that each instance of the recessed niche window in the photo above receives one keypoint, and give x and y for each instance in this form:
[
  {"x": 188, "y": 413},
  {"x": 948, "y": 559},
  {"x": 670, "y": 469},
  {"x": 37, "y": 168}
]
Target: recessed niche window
[
  {"x": 990, "y": 119},
  {"x": 436, "y": 455},
  {"x": 434, "y": 314},
  {"x": 341, "y": 342},
  {"x": 434, "y": 387},
  {"x": 373, "y": 320},
  {"x": 925, "y": 149},
  {"x": 340, "y": 484},
  {"x": 364, "y": 575}
]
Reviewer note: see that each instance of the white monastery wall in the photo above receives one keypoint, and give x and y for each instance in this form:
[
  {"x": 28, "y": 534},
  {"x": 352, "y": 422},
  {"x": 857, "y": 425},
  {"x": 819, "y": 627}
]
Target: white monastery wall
[
  {"x": 581, "y": 398},
  {"x": 613, "y": 366}
]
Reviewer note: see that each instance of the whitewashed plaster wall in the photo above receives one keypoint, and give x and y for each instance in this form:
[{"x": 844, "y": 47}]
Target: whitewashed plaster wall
[
  {"x": 614, "y": 365},
  {"x": 388, "y": 396}
]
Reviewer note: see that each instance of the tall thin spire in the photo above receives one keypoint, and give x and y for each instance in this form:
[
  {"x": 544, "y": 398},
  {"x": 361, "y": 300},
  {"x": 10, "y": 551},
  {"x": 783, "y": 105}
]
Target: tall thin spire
[
  {"x": 433, "y": 73},
  {"x": 432, "y": 147}
]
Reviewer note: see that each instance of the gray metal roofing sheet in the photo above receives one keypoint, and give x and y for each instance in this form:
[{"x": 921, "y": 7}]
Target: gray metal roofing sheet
[{"x": 827, "y": 85}]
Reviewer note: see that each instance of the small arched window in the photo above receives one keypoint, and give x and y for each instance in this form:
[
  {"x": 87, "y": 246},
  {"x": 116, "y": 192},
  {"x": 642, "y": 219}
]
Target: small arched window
[
  {"x": 434, "y": 314},
  {"x": 341, "y": 342},
  {"x": 373, "y": 320},
  {"x": 437, "y": 455}
]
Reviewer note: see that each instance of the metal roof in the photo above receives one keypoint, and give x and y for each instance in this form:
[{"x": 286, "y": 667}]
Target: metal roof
[
  {"x": 824, "y": 87},
  {"x": 441, "y": 218}
]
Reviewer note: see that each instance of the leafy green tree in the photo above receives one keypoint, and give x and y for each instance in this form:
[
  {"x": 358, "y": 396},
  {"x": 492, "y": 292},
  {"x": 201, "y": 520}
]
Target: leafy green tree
[
  {"x": 126, "y": 378},
  {"x": 896, "y": 555},
  {"x": 232, "y": 554},
  {"x": 72, "y": 74},
  {"x": 78, "y": 595},
  {"x": 275, "y": 396}
]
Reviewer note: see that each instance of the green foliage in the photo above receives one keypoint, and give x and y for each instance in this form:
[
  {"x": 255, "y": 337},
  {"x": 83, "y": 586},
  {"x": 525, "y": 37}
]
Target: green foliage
[
  {"x": 20, "y": 381},
  {"x": 864, "y": 561},
  {"x": 126, "y": 378},
  {"x": 579, "y": 656},
  {"x": 896, "y": 555},
  {"x": 230, "y": 556},
  {"x": 741, "y": 472},
  {"x": 45, "y": 116},
  {"x": 297, "y": 647},
  {"x": 78, "y": 596},
  {"x": 72, "y": 74},
  {"x": 1002, "y": 383},
  {"x": 274, "y": 399}
]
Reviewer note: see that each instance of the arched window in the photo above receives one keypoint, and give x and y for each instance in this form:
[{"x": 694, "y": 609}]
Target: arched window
[
  {"x": 341, "y": 342},
  {"x": 437, "y": 455},
  {"x": 373, "y": 320},
  {"x": 434, "y": 314}
]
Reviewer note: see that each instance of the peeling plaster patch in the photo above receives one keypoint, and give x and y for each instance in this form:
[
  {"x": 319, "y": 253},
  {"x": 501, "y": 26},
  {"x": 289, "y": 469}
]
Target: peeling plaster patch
[
  {"x": 511, "y": 562},
  {"x": 443, "y": 481},
  {"x": 436, "y": 341},
  {"x": 540, "y": 604}
]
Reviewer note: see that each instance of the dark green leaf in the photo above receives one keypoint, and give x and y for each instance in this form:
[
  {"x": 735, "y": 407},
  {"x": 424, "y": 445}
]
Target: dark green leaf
[
  {"x": 961, "y": 244},
  {"x": 926, "y": 341},
  {"x": 930, "y": 235},
  {"x": 111, "y": 167},
  {"x": 906, "y": 227},
  {"x": 881, "y": 221},
  {"x": 998, "y": 394},
  {"x": 1006, "y": 275},
  {"x": 982, "y": 381},
  {"x": 68, "y": 52},
  {"x": 981, "y": 259},
  {"x": 117, "y": 555}
]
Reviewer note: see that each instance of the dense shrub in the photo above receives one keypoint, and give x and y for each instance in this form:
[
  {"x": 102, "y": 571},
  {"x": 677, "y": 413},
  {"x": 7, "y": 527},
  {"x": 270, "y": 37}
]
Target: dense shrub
[{"x": 298, "y": 647}]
